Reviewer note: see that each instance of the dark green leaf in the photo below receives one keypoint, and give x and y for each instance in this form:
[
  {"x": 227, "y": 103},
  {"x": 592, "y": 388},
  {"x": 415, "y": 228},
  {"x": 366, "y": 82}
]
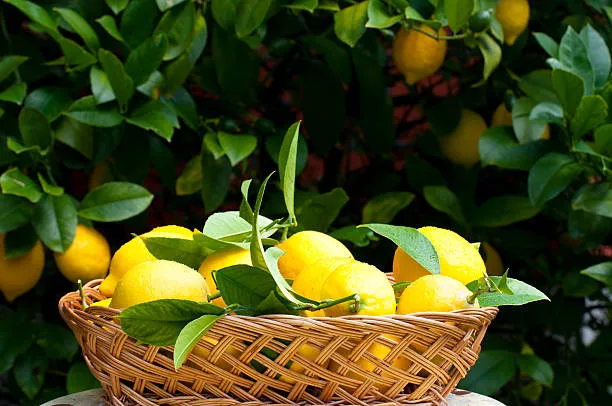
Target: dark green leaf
[
  {"x": 48, "y": 188},
  {"x": 443, "y": 199},
  {"x": 9, "y": 63},
  {"x": 287, "y": 160},
  {"x": 420, "y": 173},
  {"x": 55, "y": 222},
  {"x": 187, "y": 252},
  {"x": 319, "y": 212},
  {"x": 492, "y": 370},
  {"x": 115, "y": 201},
  {"x": 190, "y": 335},
  {"x": 37, "y": 14},
  {"x": 15, "y": 93},
  {"x": 146, "y": 59},
  {"x": 19, "y": 242},
  {"x": 15, "y": 182},
  {"x": 122, "y": 84},
  {"x": 178, "y": 26},
  {"x": 110, "y": 26},
  {"x": 594, "y": 198},
  {"x": 190, "y": 180},
  {"x": 273, "y": 304},
  {"x": 100, "y": 86},
  {"x": 504, "y": 210},
  {"x": 77, "y": 135},
  {"x": 350, "y": 23},
  {"x": 250, "y": 14},
  {"x": 237, "y": 147},
  {"x": 601, "y": 272},
  {"x": 160, "y": 322},
  {"x": 547, "y": 43},
  {"x": 35, "y": 130},
  {"x": 14, "y": 212},
  {"x": 57, "y": 341},
  {"x": 138, "y": 20},
  {"x": 16, "y": 337},
  {"x": 536, "y": 368},
  {"x": 85, "y": 111},
  {"x": 75, "y": 55},
  {"x": 603, "y": 139},
  {"x": 29, "y": 372},
  {"x": 51, "y": 101},
  {"x": 547, "y": 111},
  {"x": 308, "y": 5},
  {"x": 166, "y": 4},
  {"x": 80, "y": 379},
  {"x": 412, "y": 242},
  {"x": 150, "y": 116},
  {"x": 569, "y": 88},
  {"x": 526, "y": 129},
  {"x": 497, "y": 146},
  {"x": 273, "y": 147},
  {"x": 379, "y": 16},
  {"x": 458, "y": 13},
  {"x": 598, "y": 52},
  {"x": 383, "y": 208},
  {"x": 574, "y": 55},
  {"x": 522, "y": 293},
  {"x": 216, "y": 174},
  {"x": 81, "y": 27},
  {"x": 591, "y": 112},
  {"x": 360, "y": 236},
  {"x": 117, "y": 5},
  {"x": 245, "y": 285},
  {"x": 538, "y": 85},
  {"x": 550, "y": 175},
  {"x": 224, "y": 12}
]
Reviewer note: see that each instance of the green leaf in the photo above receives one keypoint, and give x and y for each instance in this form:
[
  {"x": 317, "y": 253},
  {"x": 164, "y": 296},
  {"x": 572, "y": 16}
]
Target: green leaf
[
  {"x": 110, "y": 26},
  {"x": 493, "y": 369},
  {"x": 547, "y": 43},
  {"x": 538, "y": 85},
  {"x": 308, "y": 5},
  {"x": 15, "y": 93},
  {"x": 458, "y": 13},
  {"x": 190, "y": 335},
  {"x": 591, "y": 112},
  {"x": 80, "y": 379},
  {"x": 224, "y": 12},
  {"x": 150, "y": 116},
  {"x": 146, "y": 59},
  {"x": 185, "y": 107},
  {"x": 14, "y": 212},
  {"x": 100, "y": 86},
  {"x": 443, "y": 199},
  {"x": 48, "y": 188},
  {"x": 594, "y": 198},
  {"x": 29, "y": 371},
  {"x": 186, "y": 252},
  {"x": 273, "y": 304},
  {"x": 504, "y": 210},
  {"x": 85, "y": 111},
  {"x": 245, "y": 285},
  {"x": 237, "y": 147},
  {"x": 190, "y": 180},
  {"x": 319, "y": 212},
  {"x": 35, "y": 130},
  {"x": 115, "y": 201},
  {"x": 498, "y": 147},
  {"x": 216, "y": 176},
  {"x": 287, "y": 160},
  {"x": 420, "y": 173},
  {"x": 122, "y": 84},
  {"x": 81, "y": 27},
  {"x": 250, "y": 14},
  {"x": 383, "y": 208},
  {"x": 601, "y": 272},
  {"x": 38, "y": 15},
  {"x": 526, "y": 129},
  {"x": 9, "y": 63},
  {"x": 548, "y": 111},
  {"x": 574, "y": 55},
  {"x": 160, "y": 322},
  {"x": 522, "y": 293},
  {"x": 75, "y": 55},
  {"x": 550, "y": 176},
  {"x": 378, "y": 15},
  {"x": 178, "y": 26},
  {"x": 19, "y": 242},
  {"x": 51, "y": 101},
  {"x": 117, "y": 5},
  {"x": 412, "y": 242},
  {"x": 76, "y": 135},
  {"x": 603, "y": 139},
  {"x": 164, "y": 5},
  {"x": 569, "y": 88},
  {"x": 16, "y": 337},
  {"x": 211, "y": 142},
  {"x": 15, "y": 182},
  {"x": 55, "y": 222},
  {"x": 350, "y": 23},
  {"x": 229, "y": 226},
  {"x": 359, "y": 236},
  {"x": 138, "y": 20},
  {"x": 335, "y": 55},
  {"x": 536, "y": 368},
  {"x": 598, "y": 52}
]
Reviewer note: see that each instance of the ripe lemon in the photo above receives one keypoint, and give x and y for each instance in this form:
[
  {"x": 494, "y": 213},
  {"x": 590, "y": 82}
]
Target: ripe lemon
[
  {"x": 458, "y": 258},
  {"x": 310, "y": 281},
  {"x": 222, "y": 259},
  {"x": 435, "y": 293},
  {"x": 159, "y": 279},
  {"x": 306, "y": 351},
  {"x": 135, "y": 252},
  {"x": 221, "y": 363},
  {"x": 87, "y": 258},
  {"x": 502, "y": 117},
  {"x": 375, "y": 291},
  {"x": 417, "y": 55},
  {"x": 19, "y": 275},
  {"x": 102, "y": 303},
  {"x": 494, "y": 262},
  {"x": 461, "y": 147},
  {"x": 304, "y": 248},
  {"x": 513, "y": 15}
]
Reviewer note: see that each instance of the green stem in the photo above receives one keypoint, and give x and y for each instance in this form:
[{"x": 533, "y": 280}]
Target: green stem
[
  {"x": 82, "y": 294},
  {"x": 214, "y": 296},
  {"x": 285, "y": 233},
  {"x": 329, "y": 303},
  {"x": 441, "y": 37}
]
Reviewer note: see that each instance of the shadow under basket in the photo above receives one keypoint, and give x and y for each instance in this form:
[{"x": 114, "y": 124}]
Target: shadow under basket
[{"x": 284, "y": 360}]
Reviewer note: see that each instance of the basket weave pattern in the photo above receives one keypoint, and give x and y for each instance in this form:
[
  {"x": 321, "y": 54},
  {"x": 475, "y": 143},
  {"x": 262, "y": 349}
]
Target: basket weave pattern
[{"x": 232, "y": 364}]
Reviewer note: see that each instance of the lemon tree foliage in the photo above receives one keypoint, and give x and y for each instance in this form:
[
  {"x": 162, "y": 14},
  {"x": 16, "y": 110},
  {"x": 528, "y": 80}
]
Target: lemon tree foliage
[{"x": 123, "y": 115}]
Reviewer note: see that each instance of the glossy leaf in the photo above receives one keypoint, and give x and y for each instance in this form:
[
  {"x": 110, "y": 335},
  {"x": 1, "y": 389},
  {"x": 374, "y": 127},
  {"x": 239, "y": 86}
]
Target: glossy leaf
[
  {"x": 110, "y": 26},
  {"x": 122, "y": 84},
  {"x": 76, "y": 135},
  {"x": 458, "y": 13},
  {"x": 117, "y": 5},
  {"x": 493, "y": 369},
  {"x": 80, "y": 379},
  {"x": 49, "y": 188},
  {"x": 15, "y": 182},
  {"x": 595, "y": 198},
  {"x": 14, "y": 212},
  {"x": 190, "y": 180},
  {"x": 9, "y": 63},
  {"x": 526, "y": 129},
  {"x": 319, "y": 212},
  {"x": 115, "y": 201},
  {"x": 287, "y": 161},
  {"x": 190, "y": 335},
  {"x": 384, "y": 207},
  {"x": 138, "y": 20},
  {"x": 569, "y": 88},
  {"x": 19, "y": 242},
  {"x": 81, "y": 27},
  {"x": 599, "y": 54},
  {"x": 75, "y": 54},
  {"x": 37, "y": 14},
  {"x": 224, "y": 12},
  {"x": 35, "y": 130},
  {"x": 150, "y": 116},
  {"x": 246, "y": 285},
  {"x": 50, "y": 101},
  {"x": 378, "y": 15},
  {"x": 550, "y": 176},
  {"x": 498, "y": 147},
  {"x": 360, "y": 236},
  {"x": 166, "y": 4},
  {"x": 443, "y": 199},
  {"x": 350, "y": 23},
  {"x": 308, "y": 5},
  {"x": 146, "y": 59},
  {"x": 536, "y": 368},
  {"x": 55, "y": 222},
  {"x": 15, "y": 93},
  {"x": 601, "y": 272},
  {"x": 236, "y": 146},
  {"x": 250, "y": 14},
  {"x": 184, "y": 251},
  {"x": 547, "y": 111},
  {"x": 522, "y": 293},
  {"x": 504, "y": 210},
  {"x": 547, "y": 43},
  {"x": 574, "y": 55},
  {"x": 85, "y": 111},
  {"x": 591, "y": 112},
  {"x": 177, "y": 25},
  {"x": 216, "y": 174},
  {"x": 100, "y": 86}
]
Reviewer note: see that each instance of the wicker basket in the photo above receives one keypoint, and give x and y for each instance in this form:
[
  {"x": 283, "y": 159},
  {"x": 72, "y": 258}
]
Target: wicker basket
[{"x": 361, "y": 360}]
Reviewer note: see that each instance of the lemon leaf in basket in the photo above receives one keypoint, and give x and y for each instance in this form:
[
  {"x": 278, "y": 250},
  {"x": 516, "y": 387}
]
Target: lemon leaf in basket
[
  {"x": 244, "y": 285},
  {"x": 160, "y": 322},
  {"x": 186, "y": 252},
  {"x": 273, "y": 304},
  {"x": 190, "y": 335},
  {"x": 522, "y": 293}
]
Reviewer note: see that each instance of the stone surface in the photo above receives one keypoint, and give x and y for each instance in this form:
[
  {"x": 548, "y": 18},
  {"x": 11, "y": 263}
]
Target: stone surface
[{"x": 92, "y": 398}]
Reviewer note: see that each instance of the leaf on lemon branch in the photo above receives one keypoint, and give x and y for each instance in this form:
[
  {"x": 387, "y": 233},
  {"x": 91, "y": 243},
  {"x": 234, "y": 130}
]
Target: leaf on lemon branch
[
  {"x": 522, "y": 293},
  {"x": 187, "y": 252},
  {"x": 190, "y": 335}
]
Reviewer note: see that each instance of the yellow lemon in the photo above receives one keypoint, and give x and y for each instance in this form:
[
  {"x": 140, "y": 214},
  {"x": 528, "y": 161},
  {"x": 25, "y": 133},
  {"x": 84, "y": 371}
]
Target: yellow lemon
[
  {"x": 435, "y": 293},
  {"x": 135, "y": 252},
  {"x": 493, "y": 263},
  {"x": 19, "y": 275},
  {"x": 222, "y": 259},
  {"x": 310, "y": 281},
  {"x": 156, "y": 280},
  {"x": 221, "y": 363},
  {"x": 417, "y": 55},
  {"x": 458, "y": 258},
  {"x": 376, "y": 296},
  {"x": 102, "y": 303},
  {"x": 461, "y": 147},
  {"x": 306, "y": 351},
  {"x": 502, "y": 117},
  {"x": 304, "y": 248},
  {"x": 513, "y": 15},
  {"x": 87, "y": 258}
]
